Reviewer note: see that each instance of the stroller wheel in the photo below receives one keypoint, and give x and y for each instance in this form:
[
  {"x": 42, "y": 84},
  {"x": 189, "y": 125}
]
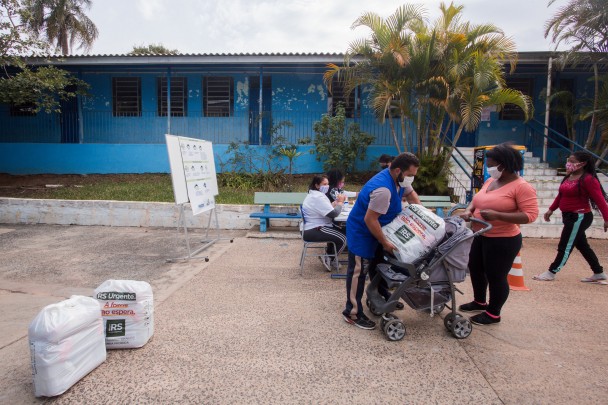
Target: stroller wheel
[
  {"x": 394, "y": 330},
  {"x": 372, "y": 308},
  {"x": 385, "y": 318},
  {"x": 449, "y": 319},
  {"x": 461, "y": 328}
]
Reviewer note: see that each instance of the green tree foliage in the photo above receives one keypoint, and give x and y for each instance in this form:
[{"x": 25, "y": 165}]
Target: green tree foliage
[
  {"x": 153, "y": 49},
  {"x": 339, "y": 145},
  {"x": 429, "y": 73},
  {"x": 63, "y": 23},
  {"x": 583, "y": 24},
  {"x": 43, "y": 87}
]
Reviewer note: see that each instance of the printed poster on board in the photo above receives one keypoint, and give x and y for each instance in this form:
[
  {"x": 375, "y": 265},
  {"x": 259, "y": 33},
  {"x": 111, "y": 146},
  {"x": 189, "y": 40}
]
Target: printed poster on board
[{"x": 199, "y": 170}]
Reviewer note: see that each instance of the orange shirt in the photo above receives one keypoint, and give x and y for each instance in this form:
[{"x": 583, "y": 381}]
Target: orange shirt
[{"x": 516, "y": 196}]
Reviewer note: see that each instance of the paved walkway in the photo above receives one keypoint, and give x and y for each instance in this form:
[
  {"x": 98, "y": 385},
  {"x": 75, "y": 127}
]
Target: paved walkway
[{"x": 247, "y": 328}]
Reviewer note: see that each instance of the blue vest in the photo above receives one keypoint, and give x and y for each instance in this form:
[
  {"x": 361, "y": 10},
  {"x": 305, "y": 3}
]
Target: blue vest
[{"x": 359, "y": 239}]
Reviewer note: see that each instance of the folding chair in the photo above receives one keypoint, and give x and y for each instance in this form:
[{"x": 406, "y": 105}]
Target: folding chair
[{"x": 317, "y": 245}]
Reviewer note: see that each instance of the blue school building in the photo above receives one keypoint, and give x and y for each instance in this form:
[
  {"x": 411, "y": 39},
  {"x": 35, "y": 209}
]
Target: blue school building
[{"x": 133, "y": 101}]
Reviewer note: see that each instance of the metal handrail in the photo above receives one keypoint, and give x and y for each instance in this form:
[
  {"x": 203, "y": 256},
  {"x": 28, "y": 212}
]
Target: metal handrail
[{"x": 562, "y": 137}]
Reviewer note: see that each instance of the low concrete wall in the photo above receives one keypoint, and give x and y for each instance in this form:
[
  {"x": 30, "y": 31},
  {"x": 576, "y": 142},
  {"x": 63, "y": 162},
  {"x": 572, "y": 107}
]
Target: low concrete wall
[
  {"x": 125, "y": 213},
  {"x": 144, "y": 214}
]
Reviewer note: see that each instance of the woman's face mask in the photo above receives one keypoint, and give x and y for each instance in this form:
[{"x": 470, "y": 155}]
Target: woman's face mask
[
  {"x": 572, "y": 167},
  {"x": 324, "y": 189},
  {"x": 494, "y": 172}
]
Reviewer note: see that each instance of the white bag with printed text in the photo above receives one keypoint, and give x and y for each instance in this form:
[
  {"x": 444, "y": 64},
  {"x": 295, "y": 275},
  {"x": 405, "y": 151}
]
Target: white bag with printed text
[
  {"x": 415, "y": 231},
  {"x": 127, "y": 308}
]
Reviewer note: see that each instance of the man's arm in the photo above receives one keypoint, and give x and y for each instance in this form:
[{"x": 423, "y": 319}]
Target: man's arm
[
  {"x": 371, "y": 220},
  {"x": 412, "y": 198}
]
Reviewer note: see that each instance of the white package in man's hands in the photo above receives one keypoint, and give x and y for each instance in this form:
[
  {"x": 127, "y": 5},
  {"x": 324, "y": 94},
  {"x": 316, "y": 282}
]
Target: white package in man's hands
[
  {"x": 66, "y": 343},
  {"x": 415, "y": 231}
]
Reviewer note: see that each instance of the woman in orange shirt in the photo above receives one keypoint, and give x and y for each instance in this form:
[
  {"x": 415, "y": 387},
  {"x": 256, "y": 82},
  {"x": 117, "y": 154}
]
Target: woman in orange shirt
[{"x": 505, "y": 201}]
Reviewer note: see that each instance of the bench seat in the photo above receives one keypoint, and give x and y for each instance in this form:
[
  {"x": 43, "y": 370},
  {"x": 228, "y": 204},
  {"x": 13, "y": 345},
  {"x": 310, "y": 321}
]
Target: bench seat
[
  {"x": 268, "y": 199},
  {"x": 438, "y": 202}
]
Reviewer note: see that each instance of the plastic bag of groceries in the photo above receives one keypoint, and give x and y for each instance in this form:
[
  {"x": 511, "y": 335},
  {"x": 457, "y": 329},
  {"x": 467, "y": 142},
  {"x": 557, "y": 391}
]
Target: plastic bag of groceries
[
  {"x": 66, "y": 343},
  {"x": 127, "y": 308},
  {"x": 415, "y": 231}
]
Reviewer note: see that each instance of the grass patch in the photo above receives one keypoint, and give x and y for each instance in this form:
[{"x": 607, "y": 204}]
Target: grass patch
[
  {"x": 131, "y": 187},
  {"x": 158, "y": 190}
]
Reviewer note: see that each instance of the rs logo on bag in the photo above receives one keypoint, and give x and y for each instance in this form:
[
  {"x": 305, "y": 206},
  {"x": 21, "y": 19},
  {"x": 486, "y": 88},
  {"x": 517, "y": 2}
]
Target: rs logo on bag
[
  {"x": 115, "y": 327},
  {"x": 404, "y": 234}
]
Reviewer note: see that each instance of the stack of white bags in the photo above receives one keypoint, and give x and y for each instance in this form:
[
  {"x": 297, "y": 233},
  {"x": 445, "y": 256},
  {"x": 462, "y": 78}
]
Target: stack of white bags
[{"x": 68, "y": 340}]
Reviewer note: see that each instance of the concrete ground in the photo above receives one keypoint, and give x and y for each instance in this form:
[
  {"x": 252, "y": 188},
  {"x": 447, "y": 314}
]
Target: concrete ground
[{"x": 247, "y": 328}]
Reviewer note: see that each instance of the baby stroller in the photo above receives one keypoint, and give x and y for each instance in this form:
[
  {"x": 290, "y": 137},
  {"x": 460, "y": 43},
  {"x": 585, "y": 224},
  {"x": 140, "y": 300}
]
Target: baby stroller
[{"x": 428, "y": 283}]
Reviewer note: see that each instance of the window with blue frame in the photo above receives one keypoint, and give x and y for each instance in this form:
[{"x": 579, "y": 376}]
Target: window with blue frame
[
  {"x": 218, "y": 96},
  {"x": 126, "y": 97},
  {"x": 338, "y": 95},
  {"x": 179, "y": 96},
  {"x": 510, "y": 112}
]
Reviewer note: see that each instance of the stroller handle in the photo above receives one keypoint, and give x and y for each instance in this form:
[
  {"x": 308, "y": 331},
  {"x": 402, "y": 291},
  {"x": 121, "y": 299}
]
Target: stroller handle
[{"x": 486, "y": 226}]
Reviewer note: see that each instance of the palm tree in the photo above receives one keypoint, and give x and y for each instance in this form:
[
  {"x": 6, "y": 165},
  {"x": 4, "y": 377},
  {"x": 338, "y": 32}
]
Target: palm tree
[
  {"x": 378, "y": 61},
  {"x": 584, "y": 24},
  {"x": 63, "y": 22},
  {"x": 482, "y": 85}
]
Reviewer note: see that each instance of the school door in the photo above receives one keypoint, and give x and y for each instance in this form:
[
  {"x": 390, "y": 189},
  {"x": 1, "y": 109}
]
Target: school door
[
  {"x": 254, "y": 110},
  {"x": 68, "y": 119}
]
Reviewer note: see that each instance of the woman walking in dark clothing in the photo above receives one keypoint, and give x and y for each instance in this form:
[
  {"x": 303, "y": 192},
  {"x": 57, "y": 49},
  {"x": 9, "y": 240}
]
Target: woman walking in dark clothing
[{"x": 579, "y": 190}]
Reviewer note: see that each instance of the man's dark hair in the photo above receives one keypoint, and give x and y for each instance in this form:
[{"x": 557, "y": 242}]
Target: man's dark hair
[
  {"x": 384, "y": 158},
  {"x": 508, "y": 157},
  {"x": 404, "y": 161}
]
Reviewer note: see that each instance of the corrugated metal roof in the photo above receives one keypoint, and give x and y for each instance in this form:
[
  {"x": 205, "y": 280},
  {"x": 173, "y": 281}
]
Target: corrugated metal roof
[{"x": 205, "y": 54}]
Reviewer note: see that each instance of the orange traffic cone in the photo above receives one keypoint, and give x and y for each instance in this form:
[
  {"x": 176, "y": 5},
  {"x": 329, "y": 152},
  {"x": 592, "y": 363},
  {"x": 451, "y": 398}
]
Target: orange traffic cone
[{"x": 516, "y": 275}]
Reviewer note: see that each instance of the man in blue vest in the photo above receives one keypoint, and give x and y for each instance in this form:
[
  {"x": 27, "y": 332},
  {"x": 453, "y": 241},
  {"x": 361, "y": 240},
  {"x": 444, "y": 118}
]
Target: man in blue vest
[{"x": 378, "y": 203}]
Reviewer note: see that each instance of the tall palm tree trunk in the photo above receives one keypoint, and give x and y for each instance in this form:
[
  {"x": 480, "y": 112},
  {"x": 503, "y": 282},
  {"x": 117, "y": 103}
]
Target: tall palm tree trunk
[
  {"x": 404, "y": 132},
  {"x": 394, "y": 132}
]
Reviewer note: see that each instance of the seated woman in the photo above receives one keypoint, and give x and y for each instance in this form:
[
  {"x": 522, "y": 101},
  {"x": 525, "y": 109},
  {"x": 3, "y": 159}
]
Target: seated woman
[
  {"x": 318, "y": 214},
  {"x": 336, "y": 184}
]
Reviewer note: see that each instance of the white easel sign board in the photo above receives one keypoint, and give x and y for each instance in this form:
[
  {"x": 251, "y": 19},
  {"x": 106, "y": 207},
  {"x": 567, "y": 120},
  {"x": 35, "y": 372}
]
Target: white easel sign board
[{"x": 192, "y": 172}]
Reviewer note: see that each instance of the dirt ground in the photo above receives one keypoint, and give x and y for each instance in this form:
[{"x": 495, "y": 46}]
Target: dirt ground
[{"x": 39, "y": 185}]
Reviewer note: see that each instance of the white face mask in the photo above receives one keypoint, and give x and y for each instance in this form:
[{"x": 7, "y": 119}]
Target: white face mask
[
  {"x": 324, "y": 189},
  {"x": 407, "y": 181},
  {"x": 494, "y": 172}
]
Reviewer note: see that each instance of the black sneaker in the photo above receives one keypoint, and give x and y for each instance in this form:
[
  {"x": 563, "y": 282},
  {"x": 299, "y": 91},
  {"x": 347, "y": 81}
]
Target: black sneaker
[
  {"x": 472, "y": 307},
  {"x": 362, "y": 322},
  {"x": 484, "y": 319}
]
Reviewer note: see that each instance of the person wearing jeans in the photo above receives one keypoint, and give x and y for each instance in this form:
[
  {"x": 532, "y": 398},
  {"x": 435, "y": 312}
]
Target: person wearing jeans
[
  {"x": 579, "y": 189},
  {"x": 505, "y": 201}
]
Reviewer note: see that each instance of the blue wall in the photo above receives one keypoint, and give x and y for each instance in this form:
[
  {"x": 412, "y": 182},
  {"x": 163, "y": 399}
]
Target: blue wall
[{"x": 27, "y": 158}]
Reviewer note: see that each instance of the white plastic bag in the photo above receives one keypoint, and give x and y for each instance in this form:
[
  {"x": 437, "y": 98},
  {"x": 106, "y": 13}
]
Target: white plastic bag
[
  {"x": 66, "y": 343},
  {"x": 127, "y": 308},
  {"x": 415, "y": 231}
]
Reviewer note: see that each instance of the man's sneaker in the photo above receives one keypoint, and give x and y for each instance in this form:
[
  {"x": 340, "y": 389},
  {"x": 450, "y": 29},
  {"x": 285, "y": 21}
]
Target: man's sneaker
[
  {"x": 362, "y": 322},
  {"x": 473, "y": 306},
  {"x": 326, "y": 262},
  {"x": 595, "y": 278},
  {"x": 484, "y": 319},
  {"x": 334, "y": 264},
  {"x": 546, "y": 276}
]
